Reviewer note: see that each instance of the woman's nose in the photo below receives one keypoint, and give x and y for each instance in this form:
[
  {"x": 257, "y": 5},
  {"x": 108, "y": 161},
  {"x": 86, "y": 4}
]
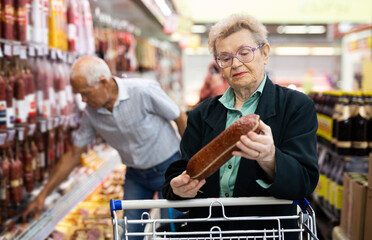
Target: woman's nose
[{"x": 235, "y": 62}]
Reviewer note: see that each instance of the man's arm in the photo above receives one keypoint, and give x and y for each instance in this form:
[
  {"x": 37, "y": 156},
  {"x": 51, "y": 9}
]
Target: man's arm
[
  {"x": 64, "y": 167},
  {"x": 181, "y": 122}
]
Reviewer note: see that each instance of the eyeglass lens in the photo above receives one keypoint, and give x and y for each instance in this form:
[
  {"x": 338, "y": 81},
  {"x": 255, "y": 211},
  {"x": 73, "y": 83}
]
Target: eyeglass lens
[{"x": 244, "y": 55}]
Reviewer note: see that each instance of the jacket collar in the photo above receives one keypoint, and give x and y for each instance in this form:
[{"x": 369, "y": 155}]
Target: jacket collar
[{"x": 266, "y": 108}]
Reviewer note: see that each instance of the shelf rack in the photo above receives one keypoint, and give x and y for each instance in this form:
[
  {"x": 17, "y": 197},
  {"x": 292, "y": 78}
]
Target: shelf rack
[{"x": 40, "y": 229}]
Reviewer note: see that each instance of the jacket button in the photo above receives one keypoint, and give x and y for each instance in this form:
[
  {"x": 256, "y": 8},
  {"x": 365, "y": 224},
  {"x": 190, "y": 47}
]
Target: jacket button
[
  {"x": 230, "y": 166},
  {"x": 226, "y": 195}
]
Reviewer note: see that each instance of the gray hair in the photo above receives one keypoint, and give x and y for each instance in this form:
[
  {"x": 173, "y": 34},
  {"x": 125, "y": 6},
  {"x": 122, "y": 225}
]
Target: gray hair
[
  {"x": 92, "y": 69},
  {"x": 233, "y": 24}
]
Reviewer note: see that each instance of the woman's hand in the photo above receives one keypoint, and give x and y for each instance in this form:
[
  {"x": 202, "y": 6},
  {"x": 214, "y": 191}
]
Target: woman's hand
[
  {"x": 259, "y": 147},
  {"x": 186, "y": 187}
]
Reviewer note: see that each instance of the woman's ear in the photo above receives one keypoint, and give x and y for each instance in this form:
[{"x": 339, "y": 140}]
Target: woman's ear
[{"x": 266, "y": 53}]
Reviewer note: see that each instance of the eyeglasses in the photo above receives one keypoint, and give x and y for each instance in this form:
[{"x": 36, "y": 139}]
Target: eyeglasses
[{"x": 244, "y": 55}]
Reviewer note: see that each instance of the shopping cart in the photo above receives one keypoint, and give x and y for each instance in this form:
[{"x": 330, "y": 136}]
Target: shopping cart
[{"x": 306, "y": 219}]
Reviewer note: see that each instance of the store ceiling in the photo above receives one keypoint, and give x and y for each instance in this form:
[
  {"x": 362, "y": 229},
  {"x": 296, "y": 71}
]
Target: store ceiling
[
  {"x": 270, "y": 12},
  {"x": 279, "y": 11}
]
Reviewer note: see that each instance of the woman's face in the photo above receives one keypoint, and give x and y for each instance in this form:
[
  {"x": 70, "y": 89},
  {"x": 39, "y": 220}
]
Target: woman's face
[{"x": 243, "y": 75}]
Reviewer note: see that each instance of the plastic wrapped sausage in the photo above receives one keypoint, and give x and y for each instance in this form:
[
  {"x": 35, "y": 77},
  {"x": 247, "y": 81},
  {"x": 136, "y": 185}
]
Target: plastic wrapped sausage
[{"x": 216, "y": 153}]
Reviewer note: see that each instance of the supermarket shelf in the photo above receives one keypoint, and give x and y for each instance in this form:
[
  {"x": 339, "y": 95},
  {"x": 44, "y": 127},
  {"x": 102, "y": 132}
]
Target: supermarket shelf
[{"x": 40, "y": 229}]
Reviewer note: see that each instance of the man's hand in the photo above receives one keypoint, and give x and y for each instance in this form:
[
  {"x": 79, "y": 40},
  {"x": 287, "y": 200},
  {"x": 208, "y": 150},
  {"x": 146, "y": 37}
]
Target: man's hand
[
  {"x": 186, "y": 187},
  {"x": 35, "y": 208}
]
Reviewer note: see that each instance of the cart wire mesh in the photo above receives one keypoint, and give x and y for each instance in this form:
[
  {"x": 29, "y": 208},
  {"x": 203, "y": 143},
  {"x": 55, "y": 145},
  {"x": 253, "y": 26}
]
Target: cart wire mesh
[{"x": 306, "y": 222}]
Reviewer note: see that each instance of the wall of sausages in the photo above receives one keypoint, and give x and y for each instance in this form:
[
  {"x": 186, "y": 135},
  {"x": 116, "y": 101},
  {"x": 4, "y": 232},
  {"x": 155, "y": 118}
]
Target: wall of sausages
[{"x": 39, "y": 39}]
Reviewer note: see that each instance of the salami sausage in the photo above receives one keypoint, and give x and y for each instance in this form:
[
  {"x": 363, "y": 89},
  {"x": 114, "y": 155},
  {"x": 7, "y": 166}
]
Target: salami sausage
[{"x": 212, "y": 156}]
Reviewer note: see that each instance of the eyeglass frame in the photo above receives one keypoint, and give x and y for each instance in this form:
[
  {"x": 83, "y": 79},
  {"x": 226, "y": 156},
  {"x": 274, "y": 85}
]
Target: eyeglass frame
[{"x": 253, "y": 49}]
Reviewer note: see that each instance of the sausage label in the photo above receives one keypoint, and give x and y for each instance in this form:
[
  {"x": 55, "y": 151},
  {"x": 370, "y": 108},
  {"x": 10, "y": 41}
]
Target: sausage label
[
  {"x": 10, "y": 117},
  {"x": 2, "y": 113},
  {"x": 21, "y": 111}
]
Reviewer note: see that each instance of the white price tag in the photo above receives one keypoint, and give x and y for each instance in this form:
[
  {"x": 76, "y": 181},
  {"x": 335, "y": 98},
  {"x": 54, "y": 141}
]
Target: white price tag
[
  {"x": 31, "y": 129},
  {"x": 70, "y": 58},
  {"x": 53, "y": 54},
  {"x": 16, "y": 50},
  {"x": 31, "y": 51},
  {"x": 21, "y": 133},
  {"x": 40, "y": 51},
  {"x": 56, "y": 122},
  {"x": 11, "y": 134},
  {"x": 59, "y": 54},
  {"x": 1, "y": 53},
  {"x": 46, "y": 50},
  {"x": 23, "y": 53},
  {"x": 7, "y": 50},
  {"x": 42, "y": 126},
  {"x": 50, "y": 124},
  {"x": 2, "y": 138}
]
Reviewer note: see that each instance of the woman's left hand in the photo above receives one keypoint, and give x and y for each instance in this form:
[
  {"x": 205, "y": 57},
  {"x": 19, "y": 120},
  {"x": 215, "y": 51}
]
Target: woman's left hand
[{"x": 259, "y": 147}]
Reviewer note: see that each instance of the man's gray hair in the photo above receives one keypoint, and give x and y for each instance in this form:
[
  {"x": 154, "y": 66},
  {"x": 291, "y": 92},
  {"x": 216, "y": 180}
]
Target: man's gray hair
[{"x": 92, "y": 69}]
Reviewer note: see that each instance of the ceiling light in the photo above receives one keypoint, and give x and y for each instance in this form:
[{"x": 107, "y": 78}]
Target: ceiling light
[
  {"x": 325, "y": 51},
  {"x": 316, "y": 29},
  {"x": 301, "y": 29},
  {"x": 297, "y": 51},
  {"x": 198, "y": 29},
  {"x": 164, "y": 8}
]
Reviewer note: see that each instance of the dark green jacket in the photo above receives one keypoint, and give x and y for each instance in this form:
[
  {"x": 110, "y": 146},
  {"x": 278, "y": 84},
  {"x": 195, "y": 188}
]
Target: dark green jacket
[{"x": 292, "y": 118}]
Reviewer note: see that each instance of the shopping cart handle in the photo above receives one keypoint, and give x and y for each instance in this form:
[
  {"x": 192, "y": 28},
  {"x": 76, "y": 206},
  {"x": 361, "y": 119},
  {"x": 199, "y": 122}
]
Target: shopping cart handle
[
  {"x": 303, "y": 203},
  {"x": 115, "y": 205}
]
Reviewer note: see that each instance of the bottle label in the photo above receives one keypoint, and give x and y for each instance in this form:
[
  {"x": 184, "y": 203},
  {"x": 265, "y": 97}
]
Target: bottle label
[
  {"x": 338, "y": 197},
  {"x": 321, "y": 185},
  {"x": 337, "y": 111},
  {"x": 363, "y": 113},
  {"x": 345, "y": 114},
  {"x": 326, "y": 188},
  {"x": 360, "y": 144},
  {"x": 325, "y": 125},
  {"x": 343, "y": 144},
  {"x": 331, "y": 192}
]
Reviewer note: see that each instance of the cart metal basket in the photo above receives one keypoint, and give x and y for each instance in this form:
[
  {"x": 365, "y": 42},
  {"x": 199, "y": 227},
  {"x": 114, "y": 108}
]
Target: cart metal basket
[{"x": 306, "y": 219}]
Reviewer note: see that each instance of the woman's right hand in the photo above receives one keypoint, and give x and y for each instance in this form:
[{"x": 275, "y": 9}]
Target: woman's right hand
[{"x": 186, "y": 187}]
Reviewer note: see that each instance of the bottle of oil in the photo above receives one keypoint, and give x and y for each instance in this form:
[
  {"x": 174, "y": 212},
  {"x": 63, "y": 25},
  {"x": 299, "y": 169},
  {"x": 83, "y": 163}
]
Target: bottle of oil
[
  {"x": 359, "y": 121},
  {"x": 343, "y": 131}
]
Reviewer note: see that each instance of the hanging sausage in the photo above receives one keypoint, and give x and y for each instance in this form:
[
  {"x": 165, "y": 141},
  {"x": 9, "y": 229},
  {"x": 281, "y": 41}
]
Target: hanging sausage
[
  {"x": 20, "y": 20},
  {"x": 28, "y": 171},
  {"x": 20, "y": 104},
  {"x": 72, "y": 20},
  {"x": 8, "y": 19},
  {"x": 15, "y": 178},
  {"x": 35, "y": 156}
]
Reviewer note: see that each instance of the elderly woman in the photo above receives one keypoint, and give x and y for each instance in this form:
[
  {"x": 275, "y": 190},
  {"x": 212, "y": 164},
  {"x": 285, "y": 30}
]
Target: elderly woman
[{"x": 281, "y": 161}]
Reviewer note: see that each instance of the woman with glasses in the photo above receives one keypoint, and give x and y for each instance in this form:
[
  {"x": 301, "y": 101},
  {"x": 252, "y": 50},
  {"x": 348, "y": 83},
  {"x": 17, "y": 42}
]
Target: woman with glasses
[{"x": 281, "y": 161}]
